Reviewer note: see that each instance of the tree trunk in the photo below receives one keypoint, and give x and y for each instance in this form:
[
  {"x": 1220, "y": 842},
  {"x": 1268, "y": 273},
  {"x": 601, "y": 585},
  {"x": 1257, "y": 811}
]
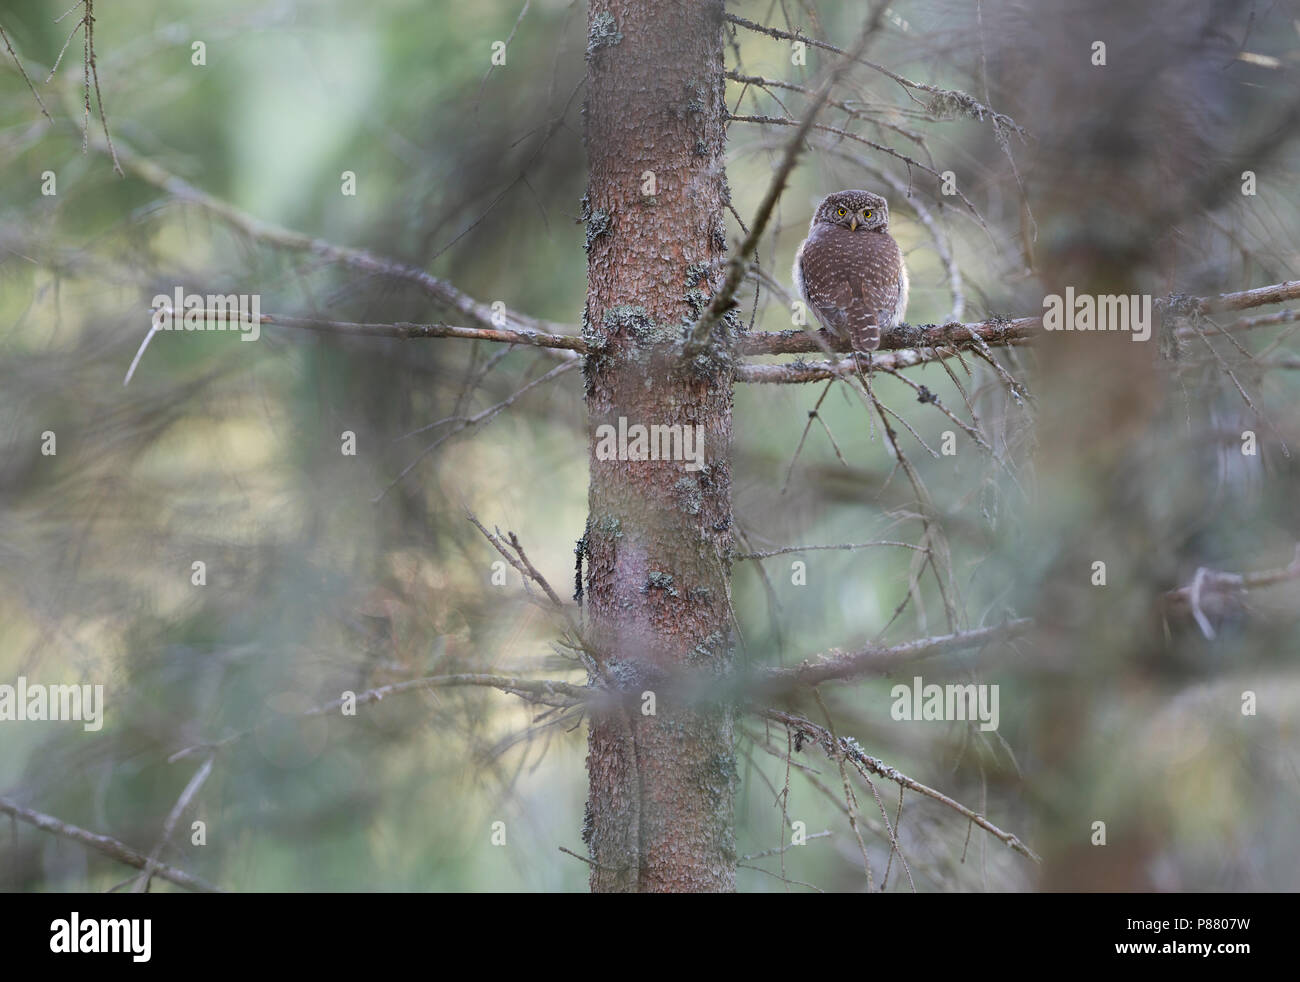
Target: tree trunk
[{"x": 660, "y": 806}]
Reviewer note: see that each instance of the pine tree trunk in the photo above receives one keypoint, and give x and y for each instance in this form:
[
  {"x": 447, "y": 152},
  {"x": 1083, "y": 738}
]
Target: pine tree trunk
[{"x": 660, "y": 807}]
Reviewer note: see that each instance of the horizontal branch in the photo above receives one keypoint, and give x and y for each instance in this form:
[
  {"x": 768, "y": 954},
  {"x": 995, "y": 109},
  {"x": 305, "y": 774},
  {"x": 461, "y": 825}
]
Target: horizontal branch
[
  {"x": 848, "y": 546},
  {"x": 816, "y": 371},
  {"x": 398, "y": 329},
  {"x": 546, "y": 692},
  {"x": 875, "y": 660},
  {"x": 1258, "y": 297},
  {"x": 404, "y": 329},
  {"x": 1289, "y": 316},
  {"x": 107, "y": 845},
  {"x": 905, "y": 346},
  {"x": 899, "y": 337}
]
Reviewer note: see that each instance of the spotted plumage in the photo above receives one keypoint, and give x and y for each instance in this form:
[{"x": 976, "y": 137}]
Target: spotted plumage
[{"x": 850, "y": 271}]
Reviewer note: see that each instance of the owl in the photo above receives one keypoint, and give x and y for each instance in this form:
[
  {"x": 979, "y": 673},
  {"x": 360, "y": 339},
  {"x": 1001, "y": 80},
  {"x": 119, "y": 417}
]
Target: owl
[{"x": 850, "y": 270}]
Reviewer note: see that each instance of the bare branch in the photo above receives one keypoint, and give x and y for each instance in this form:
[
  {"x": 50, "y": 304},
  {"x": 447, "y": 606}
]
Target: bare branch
[
  {"x": 107, "y": 845},
  {"x": 519, "y": 560},
  {"x": 847, "y": 747},
  {"x": 995, "y": 330},
  {"x": 837, "y": 545},
  {"x": 191, "y": 789},
  {"x": 405, "y": 329},
  {"x": 945, "y": 103},
  {"x": 798, "y": 372},
  {"x": 546, "y": 692},
  {"x": 1259, "y": 297},
  {"x": 23, "y": 72},
  {"x": 464, "y": 422},
  {"x": 845, "y": 134},
  {"x": 875, "y": 660},
  {"x": 911, "y": 346},
  {"x": 838, "y": 752}
]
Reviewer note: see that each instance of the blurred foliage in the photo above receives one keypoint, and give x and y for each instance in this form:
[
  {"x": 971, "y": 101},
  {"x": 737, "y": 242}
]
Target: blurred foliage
[{"x": 228, "y": 452}]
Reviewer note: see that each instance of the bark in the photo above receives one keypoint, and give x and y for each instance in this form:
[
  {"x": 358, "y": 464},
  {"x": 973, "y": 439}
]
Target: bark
[{"x": 660, "y": 808}]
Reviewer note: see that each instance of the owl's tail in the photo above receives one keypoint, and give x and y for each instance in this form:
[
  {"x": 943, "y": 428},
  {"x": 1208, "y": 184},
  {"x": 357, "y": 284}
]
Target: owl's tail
[{"x": 863, "y": 329}]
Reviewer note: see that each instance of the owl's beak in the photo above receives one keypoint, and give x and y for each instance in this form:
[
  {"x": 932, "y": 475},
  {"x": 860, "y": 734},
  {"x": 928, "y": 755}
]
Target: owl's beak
[{"x": 853, "y": 224}]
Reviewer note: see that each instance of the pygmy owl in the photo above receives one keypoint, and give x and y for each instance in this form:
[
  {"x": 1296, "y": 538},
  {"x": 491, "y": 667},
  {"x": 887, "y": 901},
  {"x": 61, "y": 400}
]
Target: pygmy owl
[{"x": 850, "y": 270}]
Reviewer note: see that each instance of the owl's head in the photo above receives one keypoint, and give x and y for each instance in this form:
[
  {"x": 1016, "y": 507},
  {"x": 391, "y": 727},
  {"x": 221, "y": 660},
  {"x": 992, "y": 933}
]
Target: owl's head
[{"x": 855, "y": 210}]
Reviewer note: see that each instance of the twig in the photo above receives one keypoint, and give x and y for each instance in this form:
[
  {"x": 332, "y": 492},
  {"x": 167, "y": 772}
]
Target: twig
[
  {"x": 107, "y": 845},
  {"x": 464, "y": 422},
  {"x": 880, "y": 768},
  {"x": 949, "y": 99},
  {"x": 546, "y": 692},
  {"x": 169, "y": 826},
  {"x": 23, "y": 72},
  {"x": 845, "y": 134},
  {"x": 838, "y": 754},
  {"x": 877, "y": 660},
  {"x": 359, "y": 259},
  {"x": 836, "y": 545},
  {"x": 773, "y": 852},
  {"x": 1208, "y": 581}
]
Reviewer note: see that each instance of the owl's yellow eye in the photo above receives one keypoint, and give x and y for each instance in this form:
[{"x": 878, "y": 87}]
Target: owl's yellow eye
[
  {"x": 868, "y": 215},
  {"x": 840, "y": 212}
]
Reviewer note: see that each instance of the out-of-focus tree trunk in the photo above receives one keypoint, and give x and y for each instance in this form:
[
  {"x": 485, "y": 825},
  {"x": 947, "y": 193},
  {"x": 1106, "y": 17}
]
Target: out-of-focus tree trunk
[{"x": 660, "y": 807}]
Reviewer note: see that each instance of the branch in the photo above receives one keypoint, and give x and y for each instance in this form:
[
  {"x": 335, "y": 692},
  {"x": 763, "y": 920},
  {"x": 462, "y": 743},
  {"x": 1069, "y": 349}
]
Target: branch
[
  {"x": 945, "y": 102},
  {"x": 522, "y": 564},
  {"x": 107, "y": 845},
  {"x": 911, "y": 346},
  {"x": 23, "y": 72},
  {"x": 406, "y": 329},
  {"x": 569, "y": 344},
  {"x": 1209, "y": 584},
  {"x": 361, "y": 259},
  {"x": 169, "y": 826},
  {"x": 546, "y": 692},
  {"x": 463, "y": 423},
  {"x": 589, "y": 654},
  {"x": 838, "y": 545},
  {"x": 1259, "y": 297},
  {"x": 845, "y": 134},
  {"x": 850, "y": 749},
  {"x": 996, "y": 330},
  {"x": 872, "y": 116},
  {"x": 875, "y": 660},
  {"x": 816, "y": 371}
]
